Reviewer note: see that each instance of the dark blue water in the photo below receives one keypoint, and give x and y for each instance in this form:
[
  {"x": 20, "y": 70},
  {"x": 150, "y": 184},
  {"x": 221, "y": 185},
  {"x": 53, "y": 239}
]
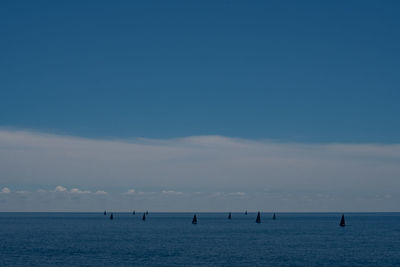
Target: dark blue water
[{"x": 169, "y": 239}]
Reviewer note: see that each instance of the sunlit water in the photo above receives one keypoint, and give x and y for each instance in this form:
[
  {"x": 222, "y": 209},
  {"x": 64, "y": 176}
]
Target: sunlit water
[{"x": 170, "y": 239}]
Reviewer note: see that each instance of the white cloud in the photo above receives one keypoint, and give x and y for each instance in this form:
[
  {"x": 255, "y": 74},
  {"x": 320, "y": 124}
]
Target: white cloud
[
  {"x": 78, "y": 191},
  {"x": 60, "y": 188},
  {"x": 5, "y": 190}
]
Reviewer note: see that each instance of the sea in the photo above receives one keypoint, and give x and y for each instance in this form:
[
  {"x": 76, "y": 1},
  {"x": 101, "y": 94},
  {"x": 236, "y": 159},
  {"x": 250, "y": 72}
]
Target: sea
[{"x": 170, "y": 239}]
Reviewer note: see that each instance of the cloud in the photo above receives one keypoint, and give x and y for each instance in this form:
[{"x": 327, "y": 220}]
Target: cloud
[
  {"x": 60, "y": 188},
  {"x": 78, "y": 191},
  {"x": 131, "y": 192},
  {"x": 262, "y": 173},
  {"x": 239, "y": 194},
  {"x": 5, "y": 190},
  {"x": 100, "y": 192},
  {"x": 22, "y": 192},
  {"x": 171, "y": 192}
]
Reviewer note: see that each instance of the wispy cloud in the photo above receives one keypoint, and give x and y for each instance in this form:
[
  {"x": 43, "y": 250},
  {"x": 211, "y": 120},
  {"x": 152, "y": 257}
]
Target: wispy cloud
[
  {"x": 292, "y": 176},
  {"x": 238, "y": 194},
  {"x": 172, "y": 192},
  {"x": 101, "y": 192},
  {"x": 22, "y": 192}
]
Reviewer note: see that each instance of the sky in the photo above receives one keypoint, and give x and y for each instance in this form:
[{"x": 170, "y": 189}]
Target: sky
[{"x": 206, "y": 105}]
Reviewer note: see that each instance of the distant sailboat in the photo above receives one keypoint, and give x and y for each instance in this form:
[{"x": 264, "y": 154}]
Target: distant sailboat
[
  {"x": 274, "y": 217},
  {"x": 245, "y": 213},
  {"x": 111, "y": 216},
  {"x": 147, "y": 212},
  {"x": 144, "y": 217},
  {"x": 105, "y": 213},
  {"x": 258, "y": 220},
  {"x": 342, "y": 223},
  {"x": 230, "y": 216},
  {"x": 134, "y": 212},
  {"x": 194, "y": 221}
]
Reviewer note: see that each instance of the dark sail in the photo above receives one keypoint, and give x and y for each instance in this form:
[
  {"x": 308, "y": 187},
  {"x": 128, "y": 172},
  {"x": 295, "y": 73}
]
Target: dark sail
[
  {"x": 147, "y": 212},
  {"x": 258, "y": 220},
  {"x": 134, "y": 212},
  {"x": 111, "y": 216},
  {"x": 105, "y": 213},
  {"x": 144, "y": 217},
  {"x": 274, "y": 217},
  {"x": 194, "y": 221},
  {"x": 342, "y": 223},
  {"x": 230, "y": 216},
  {"x": 245, "y": 213}
]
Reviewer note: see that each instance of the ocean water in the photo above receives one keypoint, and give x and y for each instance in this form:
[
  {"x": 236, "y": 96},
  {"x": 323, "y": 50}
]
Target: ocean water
[{"x": 169, "y": 239}]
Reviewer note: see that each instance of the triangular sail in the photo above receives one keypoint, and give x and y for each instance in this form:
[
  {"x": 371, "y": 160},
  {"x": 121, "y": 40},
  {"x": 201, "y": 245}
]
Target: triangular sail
[
  {"x": 258, "y": 220},
  {"x": 245, "y": 213},
  {"x": 194, "y": 221},
  {"x": 342, "y": 222},
  {"x": 144, "y": 217},
  {"x": 105, "y": 213},
  {"x": 230, "y": 216},
  {"x": 274, "y": 217},
  {"x": 111, "y": 216}
]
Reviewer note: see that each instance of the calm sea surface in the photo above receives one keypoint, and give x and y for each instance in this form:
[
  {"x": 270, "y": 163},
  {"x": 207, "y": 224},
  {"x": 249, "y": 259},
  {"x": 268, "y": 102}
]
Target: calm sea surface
[{"x": 169, "y": 239}]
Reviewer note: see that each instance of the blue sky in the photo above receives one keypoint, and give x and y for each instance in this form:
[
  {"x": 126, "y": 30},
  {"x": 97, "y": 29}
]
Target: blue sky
[
  {"x": 199, "y": 105},
  {"x": 298, "y": 71}
]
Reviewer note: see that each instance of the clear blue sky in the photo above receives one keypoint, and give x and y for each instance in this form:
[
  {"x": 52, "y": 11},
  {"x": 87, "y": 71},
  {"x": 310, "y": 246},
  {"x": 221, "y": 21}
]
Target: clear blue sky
[{"x": 308, "y": 71}]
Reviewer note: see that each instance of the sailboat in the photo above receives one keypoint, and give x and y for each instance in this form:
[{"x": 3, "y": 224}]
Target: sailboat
[
  {"x": 274, "y": 217},
  {"x": 342, "y": 223},
  {"x": 144, "y": 217},
  {"x": 147, "y": 212},
  {"x": 258, "y": 220},
  {"x": 105, "y": 213},
  {"x": 245, "y": 213},
  {"x": 111, "y": 216},
  {"x": 230, "y": 216},
  {"x": 194, "y": 221},
  {"x": 134, "y": 212}
]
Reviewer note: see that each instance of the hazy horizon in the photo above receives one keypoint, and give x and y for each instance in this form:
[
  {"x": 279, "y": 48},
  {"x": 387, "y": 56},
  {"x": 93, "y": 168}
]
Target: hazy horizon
[{"x": 44, "y": 172}]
